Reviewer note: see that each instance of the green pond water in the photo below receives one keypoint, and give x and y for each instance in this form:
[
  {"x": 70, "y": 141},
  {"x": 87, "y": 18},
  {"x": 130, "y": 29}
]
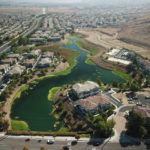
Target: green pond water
[{"x": 35, "y": 109}]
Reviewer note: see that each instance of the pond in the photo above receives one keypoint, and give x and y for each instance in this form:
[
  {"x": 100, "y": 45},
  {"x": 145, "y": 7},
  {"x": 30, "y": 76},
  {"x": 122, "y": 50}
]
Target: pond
[{"x": 35, "y": 109}]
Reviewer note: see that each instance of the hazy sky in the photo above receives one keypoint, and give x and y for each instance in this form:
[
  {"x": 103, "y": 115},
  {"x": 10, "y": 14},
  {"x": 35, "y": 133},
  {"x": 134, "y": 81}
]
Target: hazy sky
[{"x": 83, "y": 1}]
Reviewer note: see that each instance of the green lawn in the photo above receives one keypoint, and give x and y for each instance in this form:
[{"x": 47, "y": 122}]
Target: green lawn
[
  {"x": 89, "y": 62},
  {"x": 122, "y": 75},
  {"x": 53, "y": 92},
  {"x": 18, "y": 94},
  {"x": 19, "y": 125}
]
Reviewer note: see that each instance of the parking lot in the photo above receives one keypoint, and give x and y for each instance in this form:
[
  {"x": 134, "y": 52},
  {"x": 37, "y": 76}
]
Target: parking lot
[{"x": 140, "y": 100}]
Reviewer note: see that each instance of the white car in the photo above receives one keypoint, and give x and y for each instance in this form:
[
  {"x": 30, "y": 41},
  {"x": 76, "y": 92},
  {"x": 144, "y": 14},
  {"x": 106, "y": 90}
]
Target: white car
[{"x": 50, "y": 141}]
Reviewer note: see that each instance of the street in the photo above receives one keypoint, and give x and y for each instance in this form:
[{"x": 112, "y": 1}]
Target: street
[
  {"x": 11, "y": 143},
  {"x": 6, "y": 47}
]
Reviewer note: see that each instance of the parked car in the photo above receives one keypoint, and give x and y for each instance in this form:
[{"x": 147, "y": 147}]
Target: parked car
[
  {"x": 50, "y": 141},
  {"x": 65, "y": 148},
  {"x": 139, "y": 104},
  {"x": 96, "y": 143},
  {"x": 147, "y": 97}
]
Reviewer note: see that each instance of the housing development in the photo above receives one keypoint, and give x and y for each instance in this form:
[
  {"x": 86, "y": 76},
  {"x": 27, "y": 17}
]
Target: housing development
[{"x": 75, "y": 75}]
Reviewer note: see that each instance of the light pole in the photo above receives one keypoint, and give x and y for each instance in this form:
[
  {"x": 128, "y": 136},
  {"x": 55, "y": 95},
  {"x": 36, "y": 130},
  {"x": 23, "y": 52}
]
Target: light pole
[{"x": 69, "y": 145}]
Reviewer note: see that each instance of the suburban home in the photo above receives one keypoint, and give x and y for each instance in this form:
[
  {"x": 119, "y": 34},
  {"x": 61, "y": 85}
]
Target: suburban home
[
  {"x": 144, "y": 111},
  {"x": 16, "y": 70},
  {"x": 36, "y": 52},
  {"x": 16, "y": 56},
  {"x": 54, "y": 39},
  {"x": 86, "y": 89},
  {"x": 44, "y": 63},
  {"x": 48, "y": 55},
  {"x": 4, "y": 68},
  {"x": 92, "y": 104},
  {"x": 9, "y": 61},
  {"x": 28, "y": 63},
  {"x": 37, "y": 40},
  {"x": 32, "y": 54}
]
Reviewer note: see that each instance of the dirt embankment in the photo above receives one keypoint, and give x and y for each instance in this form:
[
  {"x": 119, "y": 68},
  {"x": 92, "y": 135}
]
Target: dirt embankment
[
  {"x": 137, "y": 32},
  {"x": 133, "y": 36},
  {"x": 98, "y": 51}
]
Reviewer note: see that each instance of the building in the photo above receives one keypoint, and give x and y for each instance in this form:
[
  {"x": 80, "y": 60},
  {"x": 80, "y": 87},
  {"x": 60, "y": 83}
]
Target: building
[
  {"x": 36, "y": 52},
  {"x": 44, "y": 63},
  {"x": 37, "y": 40},
  {"x": 9, "y": 61},
  {"x": 144, "y": 111},
  {"x": 4, "y": 68},
  {"x": 54, "y": 39},
  {"x": 92, "y": 104},
  {"x": 48, "y": 55},
  {"x": 16, "y": 70},
  {"x": 32, "y": 54},
  {"x": 28, "y": 63},
  {"x": 16, "y": 56},
  {"x": 86, "y": 89}
]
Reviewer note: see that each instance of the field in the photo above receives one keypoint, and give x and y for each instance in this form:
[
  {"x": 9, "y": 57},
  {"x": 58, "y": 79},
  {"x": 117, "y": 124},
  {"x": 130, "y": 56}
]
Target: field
[
  {"x": 19, "y": 125},
  {"x": 132, "y": 35},
  {"x": 53, "y": 92},
  {"x": 122, "y": 75}
]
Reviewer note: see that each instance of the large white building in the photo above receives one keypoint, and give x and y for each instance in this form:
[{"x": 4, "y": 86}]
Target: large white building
[{"x": 86, "y": 89}]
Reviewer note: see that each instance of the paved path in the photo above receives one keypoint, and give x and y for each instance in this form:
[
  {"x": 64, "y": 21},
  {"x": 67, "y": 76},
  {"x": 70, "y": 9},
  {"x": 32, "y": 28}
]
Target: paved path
[{"x": 11, "y": 143}]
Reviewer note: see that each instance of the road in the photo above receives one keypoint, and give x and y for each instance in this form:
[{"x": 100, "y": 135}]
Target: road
[
  {"x": 10, "y": 143},
  {"x": 34, "y": 26},
  {"x": 113, "y": 100},
  {"x": 6, "y": 47}
]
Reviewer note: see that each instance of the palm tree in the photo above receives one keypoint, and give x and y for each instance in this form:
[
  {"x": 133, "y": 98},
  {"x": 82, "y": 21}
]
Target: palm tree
[
  {"x": 43, "y": 148},
  {"x": 77, "y": 137},
  {"x": 25, "y": 148}
]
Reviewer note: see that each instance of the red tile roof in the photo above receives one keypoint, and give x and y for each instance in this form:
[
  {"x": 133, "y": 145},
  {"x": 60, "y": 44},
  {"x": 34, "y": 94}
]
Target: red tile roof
[{"x": 94, "y": 101}]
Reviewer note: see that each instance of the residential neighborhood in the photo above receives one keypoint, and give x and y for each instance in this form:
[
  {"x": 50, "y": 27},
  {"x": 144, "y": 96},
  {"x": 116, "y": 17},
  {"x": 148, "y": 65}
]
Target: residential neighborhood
[{"x": 74, "y": 75}]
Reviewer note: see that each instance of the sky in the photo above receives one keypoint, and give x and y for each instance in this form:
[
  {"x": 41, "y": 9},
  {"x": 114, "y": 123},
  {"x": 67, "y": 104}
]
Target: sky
[{"x": 83, "y": 1}]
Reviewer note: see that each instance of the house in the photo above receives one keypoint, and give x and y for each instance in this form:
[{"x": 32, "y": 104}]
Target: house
[
  {"x": 16, "y": 56},
  {"x": 28, "y": 63},
  {"x": 37, "y": 40},
  {"x": 54, "y": 39},
  {"x": 32, "y": 54},
  {"x": 93, "y": 103},
  {"x": 36, "y": 52},
  {"x": 86, "y": 89},
  {"x": 144, "y": 111},
  {"x": 44, "y": 63},
  {"x": 16, "y": 70},
  {"x": 48, "y": 55},
  {"x": 4, "y": 68},
  {"x": 9, "y": 61}
]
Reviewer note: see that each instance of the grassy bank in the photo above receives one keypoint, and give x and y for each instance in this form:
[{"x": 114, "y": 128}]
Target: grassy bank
[
  {"x": 122, "y": 75},
  {"x": 52, "y": 93},
  {"x": 89, "y": 62},
  {"x": 34, "y": 133},
  {"x": 19, "y": 125},
  {"x": 28, "y": 86}
]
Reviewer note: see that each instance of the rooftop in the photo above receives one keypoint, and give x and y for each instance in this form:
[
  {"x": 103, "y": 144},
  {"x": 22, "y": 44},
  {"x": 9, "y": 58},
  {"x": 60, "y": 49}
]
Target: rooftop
[
  {"x": 94, "y": 101},
  {"x": 145, "y": 111},
  {"x": 86, "y": 86}
]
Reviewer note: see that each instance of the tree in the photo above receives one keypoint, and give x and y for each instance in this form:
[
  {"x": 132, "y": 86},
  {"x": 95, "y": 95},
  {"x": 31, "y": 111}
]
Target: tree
[
  {"x": 134, "y": 87},
  {"x": 115, "y": 83},
  {"x": 135, "y": 125},
  {"x": 25, "y": 148},
  {"x": 43, "y": 148},
  {"x": 23, "y": 40},
  {"x": 99, "y": 81},
  {"x": 77, "y": 137}
]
